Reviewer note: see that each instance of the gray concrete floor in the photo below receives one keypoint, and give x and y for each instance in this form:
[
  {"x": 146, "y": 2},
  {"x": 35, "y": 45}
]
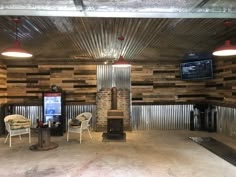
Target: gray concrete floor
[{"x": 144, "y": 154}]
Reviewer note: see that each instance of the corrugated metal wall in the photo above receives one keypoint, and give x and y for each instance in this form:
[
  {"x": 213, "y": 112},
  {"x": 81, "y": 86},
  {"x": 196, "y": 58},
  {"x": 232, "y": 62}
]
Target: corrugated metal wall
[
  {"x": 161, "y": 117},
  {"x": 74, "y": 110},
  {"x": 31, "y": 112},
  {"x": 104, "y": 76},
  {"x": 178, "y": 117},
  {"x": 121, "y": 77},
  {"x": 142, "y": 118},
  {"x": 108, "y": 77},
  {"x": 34, "y": 112},
  {"x": 146, "y": 117},
  {"x": 226, "y": 120}
]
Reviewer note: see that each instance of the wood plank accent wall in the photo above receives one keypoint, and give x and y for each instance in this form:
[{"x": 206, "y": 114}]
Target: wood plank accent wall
[
  {"x": 222, "y": 90},
  {"x": 3, "y": 85},
  {"x": 151, "y": 84},
  {"x": 161, "y": 84},
  {"x": 25, "y": 83}
]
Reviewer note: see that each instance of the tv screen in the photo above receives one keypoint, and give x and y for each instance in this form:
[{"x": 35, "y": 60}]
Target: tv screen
[{"x": 196, "y": 70}]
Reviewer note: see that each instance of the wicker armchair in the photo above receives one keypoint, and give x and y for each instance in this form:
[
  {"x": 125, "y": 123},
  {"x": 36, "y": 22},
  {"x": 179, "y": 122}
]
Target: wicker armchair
[
  {"x": 79, "y": 124},
  {"x": 17, "y": 125}
]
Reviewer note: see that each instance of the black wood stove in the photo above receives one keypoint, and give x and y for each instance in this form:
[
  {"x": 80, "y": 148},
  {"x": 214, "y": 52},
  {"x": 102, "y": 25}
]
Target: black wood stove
[
  {"x": 115, "y": 117},
  {"x": 115, "y": 127}
]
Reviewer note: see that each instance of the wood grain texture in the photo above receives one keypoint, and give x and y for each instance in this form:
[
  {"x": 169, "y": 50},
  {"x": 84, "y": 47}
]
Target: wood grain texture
[
  {"x": 3, "y": 86},
  {"x": 25, "y": 83},
  {"x": 165, "y": 85},
  {"x": 150, "y": 83},
  {"x": 159, "y": 84}
]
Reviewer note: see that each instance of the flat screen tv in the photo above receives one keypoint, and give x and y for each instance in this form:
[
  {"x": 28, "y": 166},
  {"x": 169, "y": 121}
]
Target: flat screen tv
[{"x": 196, "y": 70}]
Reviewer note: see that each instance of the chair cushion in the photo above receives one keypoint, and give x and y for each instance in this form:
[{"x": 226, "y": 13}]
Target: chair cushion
[
  {"x": 75, "y": 122},
  {"x": 16, "y": 127},
  {"x": 81, "y": 117},
  {"x": 17, "y": 122}
]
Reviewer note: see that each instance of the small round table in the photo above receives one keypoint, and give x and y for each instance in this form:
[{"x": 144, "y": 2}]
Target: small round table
[{"x": 44, "y": 140}]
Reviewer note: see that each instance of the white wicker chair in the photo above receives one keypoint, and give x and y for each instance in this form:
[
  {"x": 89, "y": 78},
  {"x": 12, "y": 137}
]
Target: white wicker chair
[
  {"x": 84, "y": 118},
  {"x": 15, "y": 132}
]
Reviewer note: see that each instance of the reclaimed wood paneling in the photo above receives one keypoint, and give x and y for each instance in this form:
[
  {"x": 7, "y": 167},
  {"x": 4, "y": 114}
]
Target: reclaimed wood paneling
[
  {"x": 164, "y": 85},
  {"x": 25, "y": 83},
  {"x": 157, "y": 84},
  {"x": 150, "y": 83},
  {"x": 222, "y": 89},
  {"x": 3, "y": 84}
]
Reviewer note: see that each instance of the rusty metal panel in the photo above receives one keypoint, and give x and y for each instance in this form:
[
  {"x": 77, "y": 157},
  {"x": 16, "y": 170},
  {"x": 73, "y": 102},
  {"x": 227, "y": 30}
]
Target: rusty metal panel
[
  {"x": 226, "y": 120},
  {"x": 145, "y": 117}
]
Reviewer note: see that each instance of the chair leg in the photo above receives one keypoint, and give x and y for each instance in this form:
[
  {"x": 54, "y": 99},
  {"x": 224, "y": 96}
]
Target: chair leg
[
  {"x": 10, "y": 141},
  {"x": 6, "y": 138},
  {"x": 29, "y": 138},
  {"x": 20, "y": 137},
  {"x": 67, "y": 136},
  {"x": 90, "y": 134},
  {"x": 80, "y": 139}
]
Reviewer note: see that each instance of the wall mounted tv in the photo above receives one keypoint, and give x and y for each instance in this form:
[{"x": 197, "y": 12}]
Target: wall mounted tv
[{"x": 196, "y": 70}]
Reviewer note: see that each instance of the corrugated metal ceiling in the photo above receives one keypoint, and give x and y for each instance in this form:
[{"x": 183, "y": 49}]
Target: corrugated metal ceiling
[{"x": 61, "y": 37}]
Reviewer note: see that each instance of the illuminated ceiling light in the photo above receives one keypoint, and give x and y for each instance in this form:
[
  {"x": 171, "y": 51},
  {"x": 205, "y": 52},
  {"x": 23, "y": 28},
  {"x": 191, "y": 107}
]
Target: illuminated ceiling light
[
  {"x": 121, "y": 61},
  {"x": 16, "y": 50},
  {"x": 226, "y": 50}
]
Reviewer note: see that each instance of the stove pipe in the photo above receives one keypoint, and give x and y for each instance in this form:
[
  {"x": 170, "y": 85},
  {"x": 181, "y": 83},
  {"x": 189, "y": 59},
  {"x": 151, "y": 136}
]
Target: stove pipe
[{"x": 113, "y": 98}]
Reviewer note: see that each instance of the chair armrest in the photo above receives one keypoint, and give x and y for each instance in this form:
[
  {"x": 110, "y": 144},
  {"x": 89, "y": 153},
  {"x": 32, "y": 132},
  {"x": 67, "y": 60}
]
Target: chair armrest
[
  {"x": 7, "y": 126},
  {"x": 68, "y": 122}
]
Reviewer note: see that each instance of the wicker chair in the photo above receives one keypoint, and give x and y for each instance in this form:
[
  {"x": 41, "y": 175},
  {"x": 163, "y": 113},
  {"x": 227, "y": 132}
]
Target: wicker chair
[
  {"x": 84, "y": 119},
  {"x": 16, "y": 125}
]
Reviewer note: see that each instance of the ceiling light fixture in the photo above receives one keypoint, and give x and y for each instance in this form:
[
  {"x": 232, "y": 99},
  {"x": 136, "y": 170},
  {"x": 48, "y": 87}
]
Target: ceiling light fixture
[
  {"x": 227, "y": 49},
  {"x": 16, "y": 50},
  {"x": 121, "y": 61}
]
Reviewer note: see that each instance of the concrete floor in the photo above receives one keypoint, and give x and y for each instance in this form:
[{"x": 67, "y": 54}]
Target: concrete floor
[{"x": 144, "y": 154}]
